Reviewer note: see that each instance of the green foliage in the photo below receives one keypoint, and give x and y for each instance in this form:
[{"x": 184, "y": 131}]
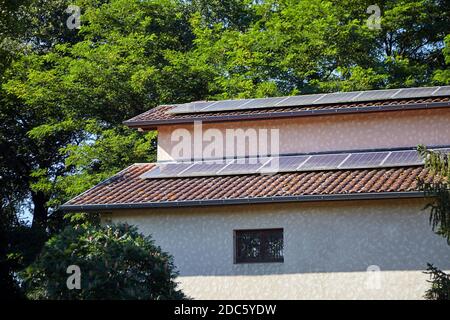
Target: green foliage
[
  {"x": 440, "y": 284},
  {"x": 439, "y": 192},
  {"x": 443, "y": 76},
  {"x": 103, "y": 153},
  {"x": 8, "y": 260},
  {"x": 18, "y": 245},
  {"x": 67, "y": 93},
  {"x": 312, "y": 46},
  {"x": 116, "y": 262}
]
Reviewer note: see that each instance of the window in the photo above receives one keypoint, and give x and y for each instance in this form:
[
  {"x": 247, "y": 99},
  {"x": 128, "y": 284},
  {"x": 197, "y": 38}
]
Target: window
[{"x": 264, "y": 245}]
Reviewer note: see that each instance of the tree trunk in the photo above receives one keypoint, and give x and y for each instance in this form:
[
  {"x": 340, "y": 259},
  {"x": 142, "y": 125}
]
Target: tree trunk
[{"x": 40, "y": 210}]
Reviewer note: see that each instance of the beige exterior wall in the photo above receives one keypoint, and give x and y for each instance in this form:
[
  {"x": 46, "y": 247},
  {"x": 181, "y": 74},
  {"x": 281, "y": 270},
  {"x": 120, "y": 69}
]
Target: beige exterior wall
[
  {"x": 328, "y": 248},
  {"x": 334, "y": 132}
]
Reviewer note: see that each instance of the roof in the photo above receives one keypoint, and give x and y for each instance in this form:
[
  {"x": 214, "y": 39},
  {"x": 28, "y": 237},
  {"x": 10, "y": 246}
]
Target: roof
[
  {"x": 161, "y": 116},
  {"x": 127, "y": 190},
  {"x": 312, "y": 99}
]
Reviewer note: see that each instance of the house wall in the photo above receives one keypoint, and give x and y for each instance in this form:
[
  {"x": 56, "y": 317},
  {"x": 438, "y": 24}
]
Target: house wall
[
  {"x": 327, "y": 133},
  {"x": 328, "y": 248}
]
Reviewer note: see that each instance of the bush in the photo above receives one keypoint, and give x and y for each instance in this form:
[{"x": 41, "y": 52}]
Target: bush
[{"x": 116, "y": 262}]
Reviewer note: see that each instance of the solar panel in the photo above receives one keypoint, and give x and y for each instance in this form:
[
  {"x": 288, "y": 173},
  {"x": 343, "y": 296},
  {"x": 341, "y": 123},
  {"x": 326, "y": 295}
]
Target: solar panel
[
  {"x": 269, "y": 165},
  {"x": 415, "y": 92},
  {"x": 283, "y": 164},
  {"x": 375, "y": 95},
  {"x": 403, "y": 158},
  {"x": 226, "y": 105},
  {"x": 324, "y": 161},
  {"x": 191, "y": 107},
  {"x": 207, "y": 168},
  {"x": 262, "y": 103},
  {"x": 243, "y": 166},
  {"x": 442, "y": 150},
  {"x": 300, "y": 100},
  {"x": 338, "y": 97},
  {"x": 364, "y": 160},
  {"x": 167, "y": 170},
  {"x": 442, "y": 91}
]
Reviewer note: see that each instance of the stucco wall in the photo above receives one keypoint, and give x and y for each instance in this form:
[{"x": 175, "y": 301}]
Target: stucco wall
[
  {"x": 328, "y": 248},
  {"x": 334, "y": 132}
]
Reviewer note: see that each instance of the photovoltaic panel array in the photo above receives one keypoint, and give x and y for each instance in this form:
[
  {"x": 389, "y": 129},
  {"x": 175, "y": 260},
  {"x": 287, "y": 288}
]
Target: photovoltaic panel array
[
  {"x": 271, "y": 165},
  {"x": 310, "y": 100}
]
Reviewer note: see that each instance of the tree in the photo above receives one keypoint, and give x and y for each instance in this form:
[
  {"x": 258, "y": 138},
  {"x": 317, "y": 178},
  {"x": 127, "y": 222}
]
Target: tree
[
  {"x": 286, "y": 47},
  {"x": 115, "y": 262},
  {"x": 439, "y": 191},
  {"x": 71, "y": 89},
  {"x": 443, "y": 75},
  {"x": 440, "y": 284},
  {"x": 63, "y": 95}
]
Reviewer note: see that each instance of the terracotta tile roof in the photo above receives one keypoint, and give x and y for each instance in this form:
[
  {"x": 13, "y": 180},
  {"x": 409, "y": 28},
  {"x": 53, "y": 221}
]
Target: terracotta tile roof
[
  {"x": 127, "y": 189},
  {"x": 160, "y": 116}
]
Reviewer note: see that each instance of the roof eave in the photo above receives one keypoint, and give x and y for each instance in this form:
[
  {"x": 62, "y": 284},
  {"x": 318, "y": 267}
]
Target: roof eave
[{"x": 236, "y": 201}]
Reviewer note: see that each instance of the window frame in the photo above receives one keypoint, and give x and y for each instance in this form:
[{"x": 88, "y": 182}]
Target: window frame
[{"x": 264, "y": 232}]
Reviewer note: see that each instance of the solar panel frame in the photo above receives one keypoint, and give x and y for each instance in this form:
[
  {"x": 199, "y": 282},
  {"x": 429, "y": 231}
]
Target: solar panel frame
[
  {"x": 167, "y": 170},
  {"x": 374, "y": 95},
  {"x": 442, "y": 91},
  {"x": 283, "y": 164},
  {"x": 338, "y": 97},
  {"x": 364, "y": 160},
  {"x": 403, "y": 158},
  {"x": 323, "y": 162},
  {"x": 226, "y": 105},
  {"x": 262, "y": 103},
  {"x": 244, "y": 166},
  {"x": 204, "y": 168},
  {"x": 303, "y": 100},
  {"x": 441, "y": 150},
  {"x": 415, "y": 92},
  {"x": 191, "y": 107}
]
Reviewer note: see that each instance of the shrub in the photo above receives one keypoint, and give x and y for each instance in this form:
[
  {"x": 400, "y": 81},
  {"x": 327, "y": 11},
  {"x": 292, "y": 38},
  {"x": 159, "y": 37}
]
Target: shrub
[{"x": 116, "y": 262}]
